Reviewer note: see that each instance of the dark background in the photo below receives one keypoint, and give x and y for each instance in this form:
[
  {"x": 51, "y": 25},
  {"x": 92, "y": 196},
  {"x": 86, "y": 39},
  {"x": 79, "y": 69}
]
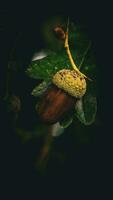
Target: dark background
[{"x": 90, "y": 169}]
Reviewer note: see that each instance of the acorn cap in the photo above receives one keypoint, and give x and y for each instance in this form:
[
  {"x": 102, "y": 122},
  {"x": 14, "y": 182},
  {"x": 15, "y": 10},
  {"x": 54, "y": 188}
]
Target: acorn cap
[{"x": 71, "y": 82}]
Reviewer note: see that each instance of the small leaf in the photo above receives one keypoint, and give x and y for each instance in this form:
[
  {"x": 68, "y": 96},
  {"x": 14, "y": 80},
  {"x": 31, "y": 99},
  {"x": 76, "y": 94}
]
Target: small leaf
[
  {"x": 57, "y": 129},
  {"x": 40, "y": 89},
  {"x": 86, "y": 109},
  {"x": 41, "y": 54},
  {"x": 65, "y": 122}
]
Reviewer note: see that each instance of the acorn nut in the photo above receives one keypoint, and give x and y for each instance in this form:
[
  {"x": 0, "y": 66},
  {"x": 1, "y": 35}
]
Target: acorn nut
[{"x": 60, "y": 98}]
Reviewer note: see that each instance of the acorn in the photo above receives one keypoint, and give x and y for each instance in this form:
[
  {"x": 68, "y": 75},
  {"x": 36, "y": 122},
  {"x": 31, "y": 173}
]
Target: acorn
[{"x": 67, "y": 86}]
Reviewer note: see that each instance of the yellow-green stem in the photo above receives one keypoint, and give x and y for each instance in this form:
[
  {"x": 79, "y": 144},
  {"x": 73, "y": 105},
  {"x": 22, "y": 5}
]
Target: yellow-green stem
[{"x": 66, "y": 45}]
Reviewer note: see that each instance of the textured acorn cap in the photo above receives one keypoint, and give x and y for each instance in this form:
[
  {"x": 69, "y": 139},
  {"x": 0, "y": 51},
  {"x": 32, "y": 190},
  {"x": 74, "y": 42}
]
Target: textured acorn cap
[{"x": 71, "y": 82}]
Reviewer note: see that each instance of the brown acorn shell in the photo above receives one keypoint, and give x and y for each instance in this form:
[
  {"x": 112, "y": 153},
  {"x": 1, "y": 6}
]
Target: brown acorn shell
[{"x": 54, "y": 105}]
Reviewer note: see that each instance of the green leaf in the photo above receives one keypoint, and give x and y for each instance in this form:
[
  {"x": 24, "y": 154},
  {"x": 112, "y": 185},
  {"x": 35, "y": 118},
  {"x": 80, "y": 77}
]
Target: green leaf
[
  {"x": 45, "y": 68},
  {"x": 65, "y": 122},
  {"x": 86, "y": 109},
  {"x": 48, "y": 66},
  {"x": 40, "y": 89}
]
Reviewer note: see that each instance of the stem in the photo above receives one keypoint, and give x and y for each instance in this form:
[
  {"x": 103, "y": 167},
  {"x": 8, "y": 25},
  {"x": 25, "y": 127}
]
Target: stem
[
  {"x": 44, "y": 154},
  {"x": 46, "y": 148},
  {"x": 66, "y": 45},
  {"x": 53, "y": 130}
]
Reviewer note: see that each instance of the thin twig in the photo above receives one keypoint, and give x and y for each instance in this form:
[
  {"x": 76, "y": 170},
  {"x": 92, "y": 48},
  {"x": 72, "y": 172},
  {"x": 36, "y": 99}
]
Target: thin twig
[
  {"x": 66, "y": 45},
  {"x": 84, "y": 55}
]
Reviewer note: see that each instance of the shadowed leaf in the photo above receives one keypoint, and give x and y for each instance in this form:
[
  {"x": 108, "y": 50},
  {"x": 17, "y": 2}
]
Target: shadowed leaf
[
  {"x": 40, "y": 89},
  {"x": 86, "y": 109}
]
